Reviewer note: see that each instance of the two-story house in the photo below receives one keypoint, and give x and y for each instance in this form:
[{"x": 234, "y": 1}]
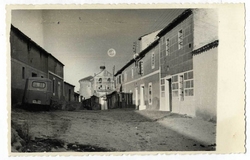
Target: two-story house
[{"x": 177, "y": 71}]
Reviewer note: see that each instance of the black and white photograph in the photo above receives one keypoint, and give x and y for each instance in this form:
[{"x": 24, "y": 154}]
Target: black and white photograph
[{"x": 114, "y": 80}]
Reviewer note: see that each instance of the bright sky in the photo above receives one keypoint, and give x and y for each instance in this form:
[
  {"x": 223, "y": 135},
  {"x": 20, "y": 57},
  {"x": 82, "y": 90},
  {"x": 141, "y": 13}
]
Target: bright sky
[{"x": 80, "y": 39}]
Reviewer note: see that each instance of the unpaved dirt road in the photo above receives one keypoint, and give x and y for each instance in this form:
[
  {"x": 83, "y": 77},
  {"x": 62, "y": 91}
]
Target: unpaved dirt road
[{"x": 117, "y": 130}]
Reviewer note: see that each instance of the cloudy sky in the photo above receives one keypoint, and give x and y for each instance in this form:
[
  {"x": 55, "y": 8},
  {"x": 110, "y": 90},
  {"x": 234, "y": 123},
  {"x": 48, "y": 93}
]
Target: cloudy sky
[{"x": 80, "y": 39}]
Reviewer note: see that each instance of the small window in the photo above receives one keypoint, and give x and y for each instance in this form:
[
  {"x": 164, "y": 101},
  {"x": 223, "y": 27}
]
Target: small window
[
  {"x": 125, "y": 76},
  {"x": 152, "y": 60},
  {"x": 162, "y": 81},
  {"x": 23, "y": 73},
  {"x": 33, "y": 74},
  {"x": 38, "y": 84},
  {"x": 54, "y": 85},
  {"x": 181, "y": 88},
  {"x": 108, "y": 79},
  {"x": 132, "y": 72},
  {"x": 150, "y": 93},
  {"x": 180, "y": 39},
  {"x": 141, "y": 67},
  {"x": 120, "y": 79},
  {"x": 100, "y": 87},
  {"x": 28, "y": 47},
  {"x": 162, "y": 88},
  {"x": 190, "y": 75},
  {"x": 190, "y": 45},
  {"x": 167, "y": 47}
]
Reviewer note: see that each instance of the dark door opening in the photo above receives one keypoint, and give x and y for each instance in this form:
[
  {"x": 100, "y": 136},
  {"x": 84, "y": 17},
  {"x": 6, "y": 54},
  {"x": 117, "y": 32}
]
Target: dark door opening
[
  {"x": 170, "y": 93},
  {"x": 69, "y": 94}
]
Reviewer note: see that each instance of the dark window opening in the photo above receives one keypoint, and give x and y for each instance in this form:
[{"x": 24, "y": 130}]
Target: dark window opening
[
  {"x": 23, "y": 73},
  {"x": 100, "y": 80},
  {"x": 69, "y": 94},
  {"x": 28, "y": 47},
  {"x": 33, "y": 74},
  {"x": 53, "y": 86}
]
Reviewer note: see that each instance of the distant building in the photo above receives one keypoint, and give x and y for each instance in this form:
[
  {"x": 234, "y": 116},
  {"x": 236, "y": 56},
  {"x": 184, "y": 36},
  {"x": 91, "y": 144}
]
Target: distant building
[
  {"x": 102, "y": 83},
  {"x": 69, "y": 91},
  {"x": 99, "y": 85},
  {"x": 85, "y": 87},
  {"x": 77, "y": 97},
  {"x": 147, "y": 39}
]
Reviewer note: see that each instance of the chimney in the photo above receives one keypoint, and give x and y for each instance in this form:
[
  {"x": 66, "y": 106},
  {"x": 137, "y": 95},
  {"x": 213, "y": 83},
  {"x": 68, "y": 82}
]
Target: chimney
[{"x": 102, "y": 68}]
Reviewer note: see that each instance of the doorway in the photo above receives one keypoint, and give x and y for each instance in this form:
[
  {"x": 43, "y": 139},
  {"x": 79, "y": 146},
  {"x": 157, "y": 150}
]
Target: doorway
[
  {"x": 142, "y": 96},
  {"x": 168, "y": 96},
  {"x": 136, "y": 98}
]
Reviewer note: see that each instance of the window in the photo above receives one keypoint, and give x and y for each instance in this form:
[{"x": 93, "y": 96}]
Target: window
[
  {"x": 100, "y": 87},
  {"x": 181, "y": 88},
  {"x": 28, "y": 47},
  {"x": 189, "y": 83},
  {"x": 100, "y": 80},
  {"x": 167, "y": 47},
  {"x": 153, "y": 60},
  {"x": 23, "y": 73},
  {"x": 69, "y": 94},
  {"x": 117, "y": 80},
  {"x": 141, "y": 67},
  {"x": 180, "y": 39},
  {"x": 33, "y": 74},
  {"x": 175, "y": 86},
  {"x": 54, "y": 86},
  {"x": 38, "y": 84},
  {"x": 132, "y": 72},
  {"x": 150, "y": 93},
  {"x": 162, "y": 87},
  {"x": 162, "y": 41},
  {"x": 120, "y": 81},
  {"x": 122, "y": 78},
  {"x": 125, "y": 76}
]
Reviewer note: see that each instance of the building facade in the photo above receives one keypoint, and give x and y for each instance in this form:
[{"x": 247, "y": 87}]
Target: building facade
[
  {"x": 69, "y": 92},
  {"x": 85, "y": 90},
  {"x": 28, "y": 59},
  {"x": 177, "y": 72},
  {"x": 98, "y": 85},
  {"x": 141, "y": 78},
  {"x": 55, "y": 72},
  {"x": 102, "y": 83},
  {"x": 176, "y": 45}
]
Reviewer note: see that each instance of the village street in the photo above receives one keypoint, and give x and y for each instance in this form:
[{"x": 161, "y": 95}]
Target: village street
[{"x": 110, "y": 130}]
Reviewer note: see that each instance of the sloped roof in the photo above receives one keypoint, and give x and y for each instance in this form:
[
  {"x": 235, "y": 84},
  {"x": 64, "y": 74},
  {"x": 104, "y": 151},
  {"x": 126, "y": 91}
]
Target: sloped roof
[
  {"x": 20, "y": 33},
  {"x": 69, "y": 84},
  {"x": 86, "y": 78},
  {"x": 149, "y": 34},
  {"x": 175, "y": 22},
  {"x": 206, "y": 47},
  {"x": 103, "y": 73},
  {"x": 140, "y": 56},
  {"x": 168, "y": 28}
]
